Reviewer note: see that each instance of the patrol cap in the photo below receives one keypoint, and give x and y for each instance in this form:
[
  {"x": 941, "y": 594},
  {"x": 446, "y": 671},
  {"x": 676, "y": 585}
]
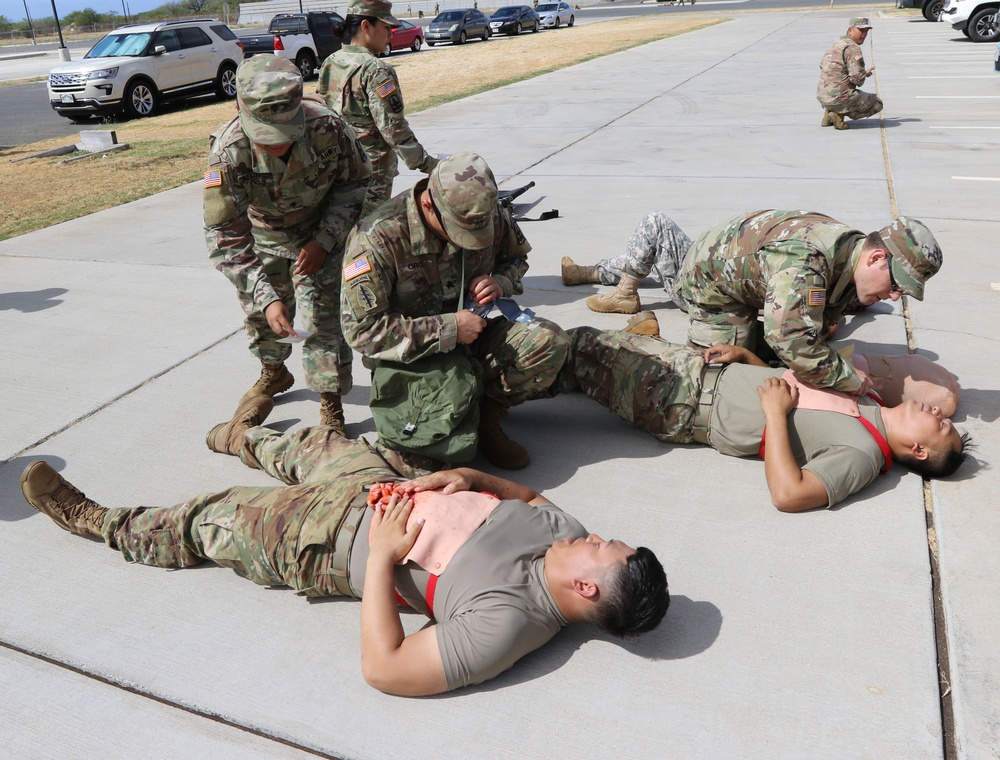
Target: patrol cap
[
  {"x": 916, "y": 255},
  {"x": 380, "y": 9},
  {"x": 464, "y": 191},
  {"x": 860, "y": 22},
  {"x": 269, "y": 94}
]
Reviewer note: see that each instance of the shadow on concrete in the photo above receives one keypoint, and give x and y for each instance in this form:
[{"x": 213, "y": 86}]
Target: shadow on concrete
[
  {"x": 28, "y": 301},
  {"x": 12, "y": 504}
]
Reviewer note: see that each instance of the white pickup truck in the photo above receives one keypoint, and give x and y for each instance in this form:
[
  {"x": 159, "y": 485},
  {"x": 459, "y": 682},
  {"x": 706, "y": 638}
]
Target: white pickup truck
[{"x": 305, "y": 38}]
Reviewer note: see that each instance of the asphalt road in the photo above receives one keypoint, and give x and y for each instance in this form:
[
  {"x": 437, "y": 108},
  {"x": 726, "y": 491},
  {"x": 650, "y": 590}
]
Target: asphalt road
[{"x": 25, "y": 114}]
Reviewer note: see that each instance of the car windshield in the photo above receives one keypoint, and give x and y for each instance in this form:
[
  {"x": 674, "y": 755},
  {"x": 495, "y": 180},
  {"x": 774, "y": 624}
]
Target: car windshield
[
  {"x": 450, "y": 16},
  {"x": 120, "y": 44},
  {"x": 505, "y": 13},
  {"x": 545, "y": 7}
]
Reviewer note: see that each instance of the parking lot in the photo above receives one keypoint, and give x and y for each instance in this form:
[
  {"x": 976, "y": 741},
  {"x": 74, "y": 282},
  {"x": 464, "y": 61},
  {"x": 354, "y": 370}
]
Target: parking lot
[{"x": 790, "y": 636}]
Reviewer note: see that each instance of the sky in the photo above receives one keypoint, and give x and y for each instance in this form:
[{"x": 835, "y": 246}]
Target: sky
[{"x": 14, "y": 9}]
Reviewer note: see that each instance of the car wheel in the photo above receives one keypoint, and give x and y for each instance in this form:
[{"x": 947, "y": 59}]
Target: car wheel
[
  {"x": 572, "y": 19},
  {"x": 416, "y": 44},
  {"x": 983, "y": 26},
  {"x": 388, "y": 50},
  {"x": 557, "y": 23},
  {"x": 932, "y": 10},
  {"x": 486, "y": 34},
  {"x": 225, "y": 83},
  {"x": 517, "y": 30},
  {"x": 536, "y": 27},
  {"x": 462, "y": 37},
  {"x": 139, "y": 100},
  {"x": 306, "y": 63}
]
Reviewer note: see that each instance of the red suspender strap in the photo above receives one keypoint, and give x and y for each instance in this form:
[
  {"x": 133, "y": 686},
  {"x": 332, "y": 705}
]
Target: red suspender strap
[
  {"x": 883, "y": 444},
  {"x": 432, "y": 583},
  {"x": 400, "y": 601}
]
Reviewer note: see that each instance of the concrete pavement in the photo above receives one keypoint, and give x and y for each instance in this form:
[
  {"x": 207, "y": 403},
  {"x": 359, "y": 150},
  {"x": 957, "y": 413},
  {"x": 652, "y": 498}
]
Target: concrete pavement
[{"x": 790, "y": 636}]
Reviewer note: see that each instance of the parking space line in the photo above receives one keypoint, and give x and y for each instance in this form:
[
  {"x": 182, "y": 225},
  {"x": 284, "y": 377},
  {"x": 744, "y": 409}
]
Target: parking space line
[
  {"x": 957, "y": 97},
  {"x": 978, "y": 179},
  {"x": 963, "y": 127},
  {"x": 957, "y": 76}
]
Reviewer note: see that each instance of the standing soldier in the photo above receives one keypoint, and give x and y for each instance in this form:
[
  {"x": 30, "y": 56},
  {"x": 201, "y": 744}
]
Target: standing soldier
[
  {"x": 285, "y": 183},
  {"x": 365, "y": 92},
  {"x": 801, "y": 271},
  {"x": 841, "y": 72}
]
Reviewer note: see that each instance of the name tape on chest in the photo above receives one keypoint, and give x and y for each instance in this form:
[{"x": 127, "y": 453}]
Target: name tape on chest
[{"x": 357, "y": 268}]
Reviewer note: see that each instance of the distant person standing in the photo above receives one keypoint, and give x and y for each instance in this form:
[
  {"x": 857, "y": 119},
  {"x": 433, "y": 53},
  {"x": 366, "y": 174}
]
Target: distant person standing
[
  {"x": 365, "y": 92},
  {"x": 842, "y": 72}
]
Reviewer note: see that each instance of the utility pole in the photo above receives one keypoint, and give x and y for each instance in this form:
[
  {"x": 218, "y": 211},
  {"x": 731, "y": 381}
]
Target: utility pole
[
  {"x": 31, "y": 26},
  {"x": 63, "y": 50}
]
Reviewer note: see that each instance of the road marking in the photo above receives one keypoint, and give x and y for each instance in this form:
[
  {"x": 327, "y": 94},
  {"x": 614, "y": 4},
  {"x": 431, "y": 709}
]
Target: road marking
[
  {"x": 958, "y": 76},
  {"x": 979, "y": 179},
  {"x": 962, "y": 127},
  {"x": 957, "y": 97}
]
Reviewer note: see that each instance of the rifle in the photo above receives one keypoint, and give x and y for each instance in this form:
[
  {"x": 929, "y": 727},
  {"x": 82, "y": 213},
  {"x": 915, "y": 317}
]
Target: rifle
[{"x": 506, "y": 200}]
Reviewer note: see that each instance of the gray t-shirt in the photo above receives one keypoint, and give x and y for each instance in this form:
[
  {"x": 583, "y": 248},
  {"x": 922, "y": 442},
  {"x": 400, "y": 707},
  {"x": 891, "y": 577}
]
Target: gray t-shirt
[
  {"x": 491, "y": 603},
  {"x": 836, "y": 448}
]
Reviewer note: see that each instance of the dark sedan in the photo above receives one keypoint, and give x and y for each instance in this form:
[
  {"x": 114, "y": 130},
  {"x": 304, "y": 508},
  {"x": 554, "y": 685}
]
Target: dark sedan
[
  {"x": 457, "y": 26},
  {"x": 514, "y": 19}
]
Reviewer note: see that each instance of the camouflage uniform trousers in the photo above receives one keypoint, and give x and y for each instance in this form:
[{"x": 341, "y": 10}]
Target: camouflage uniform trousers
[
  {"x": 280, "y": 535},
  {"x": 384, "y": 170},
  {"x": 326, "y": 356},
  {"x": 856, "y": 105},
  {"x": 650, "y": 383},
  {"x": 521, "y": 361},
  {"x": 657, "y": 247}
]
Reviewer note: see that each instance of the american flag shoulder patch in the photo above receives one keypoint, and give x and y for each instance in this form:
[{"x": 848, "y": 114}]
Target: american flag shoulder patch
[
  {"x": 213, "y": 178},
  {"x": 386, "y": 89},
  {"x": 816, "y": 297},
  {"x": 357, "y": 268}
]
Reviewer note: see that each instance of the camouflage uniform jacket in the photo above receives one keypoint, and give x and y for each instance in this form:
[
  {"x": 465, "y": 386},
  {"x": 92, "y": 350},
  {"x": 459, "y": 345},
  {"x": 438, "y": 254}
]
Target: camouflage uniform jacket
[
  {"x": 256, "y": 204},
  {"x": 403, "y": 285},
  {"x": 365, "y": 92},
  {"x": 841, "y": 71},
  {"x": 795, "y": 266}
]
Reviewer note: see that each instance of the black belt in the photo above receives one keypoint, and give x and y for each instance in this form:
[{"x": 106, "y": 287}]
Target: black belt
[{"x": 703, "y": 413}]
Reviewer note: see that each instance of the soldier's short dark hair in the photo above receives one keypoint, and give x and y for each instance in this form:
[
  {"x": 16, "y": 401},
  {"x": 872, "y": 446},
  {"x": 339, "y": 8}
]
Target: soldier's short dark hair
[
  {"x": 872, "y": 241},
  {"x": 352, "y": 24},
  {"x": 940, "y": 464},
  {"x": 634, "y": 598}
]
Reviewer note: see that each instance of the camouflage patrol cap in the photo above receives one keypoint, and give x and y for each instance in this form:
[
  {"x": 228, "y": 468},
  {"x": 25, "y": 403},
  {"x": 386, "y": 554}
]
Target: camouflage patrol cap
[
  {"x": 859, "y": 22},
  {"x": 464, "y": 191},
  {"x": 269, "y": 95},
  {"x": 379, "y": 9},
  {"x": 916, "y": 255}
]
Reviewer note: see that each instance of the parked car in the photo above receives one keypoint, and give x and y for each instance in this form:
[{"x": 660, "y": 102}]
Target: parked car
[
  {"x": 554, "y": 14},
  {"x": 305, "y": 38},
  {"x": 135, "y": 68},
  {"x": 996, "y": 58},
  {"x": 976, "y": 19},
  {"x": 457, "y": 26},
  {"x": 514, "y": 19},
  {"x": 406, "y": 35},
  {"x": 931, "y": 9}
]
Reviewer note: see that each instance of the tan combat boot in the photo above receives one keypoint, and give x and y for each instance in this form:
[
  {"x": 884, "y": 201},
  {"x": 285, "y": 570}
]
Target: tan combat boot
[
  {"x": 229, "y": 437},
  {"x": 622, "y": 300},
  {"x": 274, "y": 379},
  {"x": 51, "y": 494},
  {"x": 331, "y": 412},
  {"x": 838, "y": 121},
  {"x": 643, "y": 323},
  {"x": 827, "y": 119},
  {"x": 574, "y": 274},
  {"x": 493, "y": 441}
]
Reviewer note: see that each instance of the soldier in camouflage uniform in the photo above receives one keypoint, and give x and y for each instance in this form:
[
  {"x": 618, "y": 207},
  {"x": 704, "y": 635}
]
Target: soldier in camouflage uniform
[
  {"x": 725, "y": 397},
  {"x": 285, "y": 183},
  {"x": 415, "y": 267},
  {"x": 657, "y": 247},
  {"x": 365, "y": 92},
  {"x": 801, "y": 270},
  {"x": 506, "y": 589},
  {"x": 841, "y": 72}
]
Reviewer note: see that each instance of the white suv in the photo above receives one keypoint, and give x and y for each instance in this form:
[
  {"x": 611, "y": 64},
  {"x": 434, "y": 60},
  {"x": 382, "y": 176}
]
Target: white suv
[
  {"x": 976, "y": 19},
  {"x": 134, "y": 68}
]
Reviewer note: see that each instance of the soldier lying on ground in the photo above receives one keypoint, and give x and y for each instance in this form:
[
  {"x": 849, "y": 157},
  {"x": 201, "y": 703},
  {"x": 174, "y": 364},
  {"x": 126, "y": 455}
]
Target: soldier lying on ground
[
  {"x": 800, "y": 269},
  {"x": 820, "y": 447},
  {"x": 505, "y": 568}
]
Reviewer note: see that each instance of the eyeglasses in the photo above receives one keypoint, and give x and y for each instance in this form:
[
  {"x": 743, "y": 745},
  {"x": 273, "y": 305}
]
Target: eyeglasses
[{"x": 892, "y": 280}]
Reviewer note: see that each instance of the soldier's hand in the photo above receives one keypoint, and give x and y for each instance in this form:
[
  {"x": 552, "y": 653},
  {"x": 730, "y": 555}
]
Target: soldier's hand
[
  {"x": 390, "y": 537},
  {"x": 311, "y": 258},
  {"x": 447, "y": 481},
  {"x": 485, "y": 289},
  {"x": 469, "y": 327},
  {"x": 279, "y": 320},
  {"x": 777, "y": 397},
  {"x": 725, "y": 353},
  {"x": 866, "y": 382}
]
